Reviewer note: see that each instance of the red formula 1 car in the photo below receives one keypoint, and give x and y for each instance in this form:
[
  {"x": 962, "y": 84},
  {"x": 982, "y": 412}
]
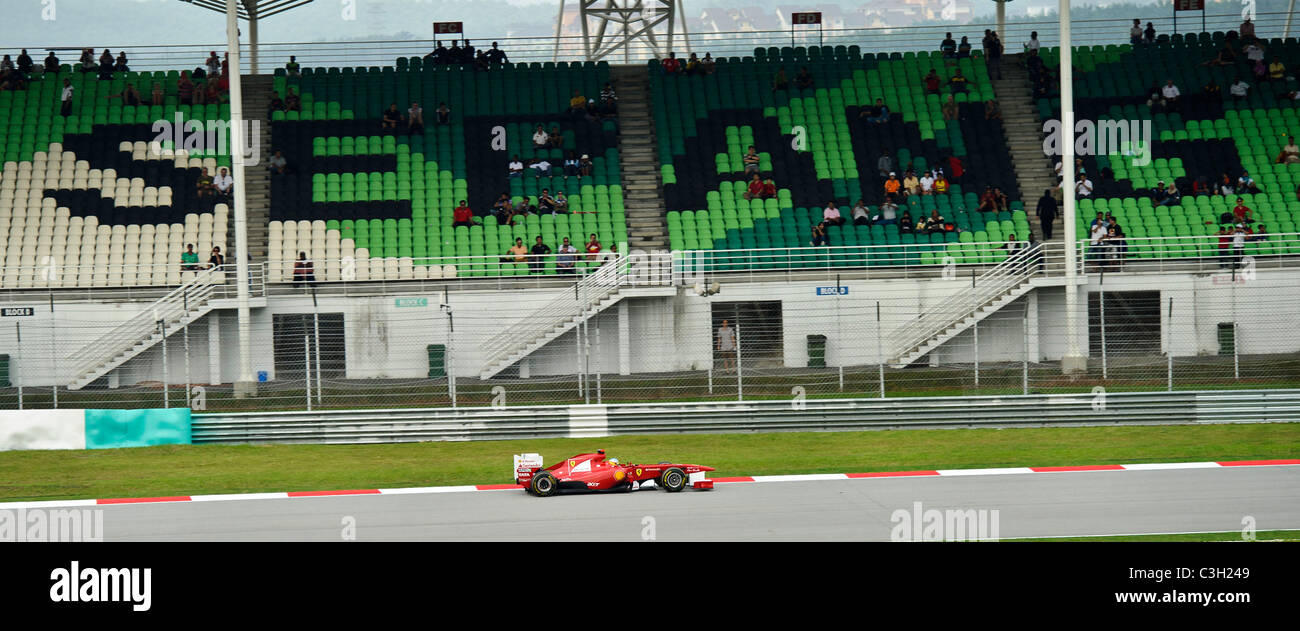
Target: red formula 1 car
[{"x": 593, "y": 472}]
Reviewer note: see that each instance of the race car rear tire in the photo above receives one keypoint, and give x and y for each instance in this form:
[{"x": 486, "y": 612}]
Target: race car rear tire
[
  {"x": 673, "y": 480},
  {"x": 543, "y": 485}
]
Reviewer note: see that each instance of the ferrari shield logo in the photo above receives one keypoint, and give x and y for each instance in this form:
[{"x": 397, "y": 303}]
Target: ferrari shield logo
[
  {"x": 638, "y": 472},
  {"x": 572, "y": 463}
]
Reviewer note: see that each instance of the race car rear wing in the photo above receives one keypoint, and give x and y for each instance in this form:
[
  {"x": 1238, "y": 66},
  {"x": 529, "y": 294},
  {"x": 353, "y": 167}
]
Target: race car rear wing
[{"x": 526, "y": 464}]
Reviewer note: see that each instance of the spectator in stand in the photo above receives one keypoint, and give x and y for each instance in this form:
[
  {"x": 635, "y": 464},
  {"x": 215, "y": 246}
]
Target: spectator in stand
[
  {"x": 224, "y": 184},
  {"x": 392, "y": 117},
  {"x": 518, "y": 253},
  {"x": 463, "y": 216},
  {"x": 303, "y": 270},
  {"x": 963, "y": 49},
  {"x": 888, "y": 212},
  {"x": 992, "y": 111},
  {"x": 106, "y": 61},
  {"x": 185, "y": 90},
  {"x": 561, "y": 203},
  {"x": 546, "y": 203},
  {"x": 892, "y": 185},
  {"x": 934, "y": 223},
  {"x": 1046, "y": 212},
  {"x": 541, "y": 167},
  {"x": 885, "y": 165},
  {"x": 120, "y": 65},
  {"x": 1212, "y": 89},
  {"x": 1247, "y": 30},
  {"x": 803, "y": 80},
  {"x": 779, "y": 81},
  {"x": 7, "y": 65},
  {"x": 831, "y": 215},
  {"x": 495, "y": 55},
  {"x": 988, "y": 201},
  {"x": 442, "y": 115},
  {"x": 1083, "y": 187},
  {"x": 769, "y": 189},
  {"x": 593, "y": 248},
  {"x": 692, "y": 65},
  {"x": 129, "y": 95},
  {"x": 608, "y": 100},
  {"x": 949, "y": 109},
  {"x": 565, "y": 258},
  {"x": 751, "y": 161},
  {"x": 501, "y": 208},
  {"x": 555, "y": 139},
  {"x": 1260, "y": 234},
  {"x": 1171, "y": 95},
  {"x": 292, "y": 69},
  {"x": 911, "y": 183},
  {"x": 585, "y": 166},
  {"x": 189, "y": 259},
  {"x": 292, "y": 102},
  {"x": 671, "y": 65},
  {"x": 1238, "y": 245},
  {"x": 1032, "y": 46},
  {"x": 1290, "y": 153},
  {"x": 861, "y": 214},
  {"x": 415, "y": 119},
  {"x": 276, "y": 105},
  {"x": 993, "y": 54},
  {"x": 217, "y": 259},
  {"x": 932, "y": 82},
  {"x": 87, "y": 60},
  {"x": 571, "y": 165},
  {"x": 213, "y": 92},
  {"x": 25, "y": 65},
  {"x": 708, "y": 65},
  {"x": 213, "y": 63},
  {"x": 577, "y": 104},
  {"x": 51, "y": 62},
  {"x": 1149, "y": 35},
  {"x": 1243, "y": 213},
  {"x": 515, "y": 167},
  {"x": 926, "y": 183},
  {"x": 940, "y": 184},
  {"x": 878, "y": 113},
  {"x": 907, "y": 225},
  {"x": 948, "y": 46},
  {"x": 537, "y": 263},
  {"x": 1135, "y": 32},
  {"x": 524, "y": 208},
  {"x": 66, "y": 109},
  {"x": 755, "y": 188},
  {"x": 958, "y": 83},
  {"x": 819, "y": 236},
  {"x": 540, "y": 138},
  {"x": 278, "y": 165},
  {"x": 203, "y": 185},
  {"x": 1276, "y": 69},
  {"x": 157, "y": 96},
  {"x": 1246, "y": 184}
]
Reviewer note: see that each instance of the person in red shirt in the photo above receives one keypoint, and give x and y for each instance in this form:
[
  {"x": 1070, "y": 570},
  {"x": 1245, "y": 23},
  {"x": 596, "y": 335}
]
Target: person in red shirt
[
  {"x": 955, "y": 165},
  {"x": 769, "y": 189},
  {"x": 755, "y": 188},
  {"x": 671, "y": 65},
  {"x": 932, "y": 82},
  {"x": 1242, "y": 212},
  {"x": 463, "y": 216},
  {"x": 593, "y": 247}
]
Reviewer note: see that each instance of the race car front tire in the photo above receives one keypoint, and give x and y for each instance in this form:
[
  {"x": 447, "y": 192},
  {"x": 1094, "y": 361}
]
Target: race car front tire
[
  {"x": 543, "y": 485},
  {"x": 673, "y": 480}
]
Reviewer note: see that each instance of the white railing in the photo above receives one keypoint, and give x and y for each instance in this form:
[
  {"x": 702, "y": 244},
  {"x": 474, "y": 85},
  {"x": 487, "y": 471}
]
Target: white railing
[
  {"x": 1189, "y": 254},
  {"x": 902, "y": 38},
  {"x": 986, "y": 289},
  {"x": 120, "y": 280},
  {"x": 174, "y": 307},
  {"x": 569, "y": 305}
]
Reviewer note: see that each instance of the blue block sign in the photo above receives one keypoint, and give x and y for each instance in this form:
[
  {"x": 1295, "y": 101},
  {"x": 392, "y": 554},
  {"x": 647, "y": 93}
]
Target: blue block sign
[{"x": 833, "y": 291}]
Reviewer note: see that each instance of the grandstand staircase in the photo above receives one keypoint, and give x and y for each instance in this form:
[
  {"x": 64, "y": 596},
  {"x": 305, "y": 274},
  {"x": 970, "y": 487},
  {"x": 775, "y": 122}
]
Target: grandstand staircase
[
  {"x": 642, "y": 189},
  {"x": 996, "y": 288},
  {"x": 1024, "y": 133},
  {"x": 604, "y": 288},
  {"x": 186, "y": 303},
  {"x": 256, "y": 92}
]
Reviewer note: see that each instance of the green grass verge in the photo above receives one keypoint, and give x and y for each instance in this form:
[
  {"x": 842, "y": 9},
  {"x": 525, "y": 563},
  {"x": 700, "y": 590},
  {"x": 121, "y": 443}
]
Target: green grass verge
[
  {"x": 1231, "y": 535},
  {"x": 204, "y": 469}
]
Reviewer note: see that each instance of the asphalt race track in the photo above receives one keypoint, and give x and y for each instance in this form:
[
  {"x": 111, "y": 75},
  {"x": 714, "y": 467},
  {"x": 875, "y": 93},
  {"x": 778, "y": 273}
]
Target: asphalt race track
[{"x": 1039, "y": 505}]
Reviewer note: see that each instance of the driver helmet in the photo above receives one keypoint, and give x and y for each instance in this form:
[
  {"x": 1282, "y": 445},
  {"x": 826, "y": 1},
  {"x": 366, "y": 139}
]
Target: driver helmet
[{"x": 612, "y": 461}]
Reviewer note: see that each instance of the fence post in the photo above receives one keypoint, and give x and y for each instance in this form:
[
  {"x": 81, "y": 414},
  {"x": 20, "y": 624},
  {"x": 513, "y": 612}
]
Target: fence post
[
  {"x": 598, "y": 398},
  {"x": 306, "y": 366},
  {"x": 1024, "y": 361},
  {"x": 1169, "y": 347},
  {"x": 54, "y": 373},
  {"x": 186, "y": 332},
  {"x": 18, "y": 332},
  {"x": 975, "y": 327},
  {"x": 162, "y": 328},
  {"x": 839, "y": 333},
  {"x": 1101, "y": 299},
  {"x": 315, "y": 325},
  {"x": 740, "y": 363},
  {"x": 1236, "y": 365},
  {"x": 880, "y": 352}
]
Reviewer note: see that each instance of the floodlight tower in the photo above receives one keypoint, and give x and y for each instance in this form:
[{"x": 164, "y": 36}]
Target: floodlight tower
[{"x": 609, "y": 26}]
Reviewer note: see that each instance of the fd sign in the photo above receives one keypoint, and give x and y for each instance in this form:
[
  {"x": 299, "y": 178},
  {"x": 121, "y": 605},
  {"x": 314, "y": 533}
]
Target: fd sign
[{"x": 806, "y": 18}]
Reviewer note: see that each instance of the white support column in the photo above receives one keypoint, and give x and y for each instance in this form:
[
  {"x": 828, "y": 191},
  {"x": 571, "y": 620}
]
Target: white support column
[
  {"x": 1073, "y": 362},
  {"x": 1031, "y": 319},
  {"x": 251, "y": 7},
  {"x": 214, "y": 348},
  {"x": 244, "y": 386},
  {"x": 1002, "y": 21},
  {"x": 1290, "y": 11},
  {"x": 624, "y": 340}
]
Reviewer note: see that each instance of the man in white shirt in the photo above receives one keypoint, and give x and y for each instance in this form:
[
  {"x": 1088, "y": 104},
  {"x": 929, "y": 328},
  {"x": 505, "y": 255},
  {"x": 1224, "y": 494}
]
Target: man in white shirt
[
  {"x": 1171, "y": 94},
  {"x": 1254, "y": 52},
  {"x": 831, "y": 215},
  {"x": 927, "y": 183},
  {"x": 224, "y": 183},
  {"x": 67, "y": 97},
  {"x": 1033, "y": 44},
  {"x": 542, "y": 168},
  {"x": 1238, "y": 89},
  {"x": 860, "y": 216},
  {"x": 1083, "y": 188},
  {"x": 540, "y": 138},
  {"x": 1135, "y": 33},
  {"x": 516, "y": 167}
]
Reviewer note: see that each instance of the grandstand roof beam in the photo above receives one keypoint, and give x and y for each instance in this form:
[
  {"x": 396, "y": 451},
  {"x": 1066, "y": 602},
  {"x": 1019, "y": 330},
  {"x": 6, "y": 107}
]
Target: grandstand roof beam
[
  {"x": 251, "y": 11},
  {"x": 637, "y": 21}
]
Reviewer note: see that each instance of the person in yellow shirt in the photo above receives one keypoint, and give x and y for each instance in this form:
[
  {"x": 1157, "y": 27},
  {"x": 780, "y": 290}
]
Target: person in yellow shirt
[
  {"x": 577, "y": 104},
  {"x": 911, "y": 184},
  {"x": 1276, "y": 70}
]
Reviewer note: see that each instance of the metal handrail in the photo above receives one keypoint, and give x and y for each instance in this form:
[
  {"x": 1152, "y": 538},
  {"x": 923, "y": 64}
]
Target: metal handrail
[
  {"x": 586, "y": 293},
  {"x": 175, "y": 305},
  {"x": 988, "y": 287}
]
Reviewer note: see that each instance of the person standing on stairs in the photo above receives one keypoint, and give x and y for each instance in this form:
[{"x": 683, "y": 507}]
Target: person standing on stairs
[{"x": 1046, "y": 213}]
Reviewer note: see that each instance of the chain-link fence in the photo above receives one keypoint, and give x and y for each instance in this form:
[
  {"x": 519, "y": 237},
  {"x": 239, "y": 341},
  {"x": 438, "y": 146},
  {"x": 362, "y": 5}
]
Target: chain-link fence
[{"x": 699, "y": 333}]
